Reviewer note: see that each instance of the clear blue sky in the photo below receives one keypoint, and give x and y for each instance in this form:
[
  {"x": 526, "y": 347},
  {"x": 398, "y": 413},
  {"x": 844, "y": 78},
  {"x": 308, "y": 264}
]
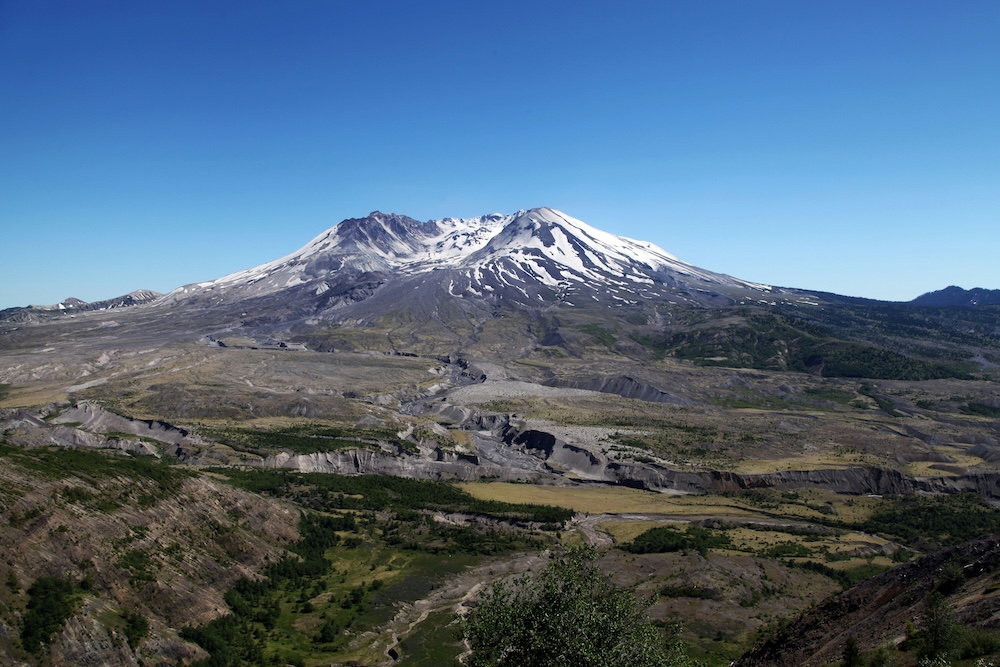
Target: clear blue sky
[{"x": 851, "y": 147}]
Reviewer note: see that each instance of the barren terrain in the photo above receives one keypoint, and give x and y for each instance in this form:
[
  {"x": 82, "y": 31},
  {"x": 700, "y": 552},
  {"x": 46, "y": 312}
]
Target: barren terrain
[{"x": 787, "y": 466}]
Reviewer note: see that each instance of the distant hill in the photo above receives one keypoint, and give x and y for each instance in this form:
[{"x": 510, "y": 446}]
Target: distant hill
[
  {"x": 956, "y": 296},
  {"x": 74, "y": 305}
]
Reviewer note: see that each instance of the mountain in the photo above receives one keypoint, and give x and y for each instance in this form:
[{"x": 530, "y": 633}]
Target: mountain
[
  {"x": 956, "y": 296},
  {"x": 366, "y": 269},
  {"x": 530, "y": 258}
]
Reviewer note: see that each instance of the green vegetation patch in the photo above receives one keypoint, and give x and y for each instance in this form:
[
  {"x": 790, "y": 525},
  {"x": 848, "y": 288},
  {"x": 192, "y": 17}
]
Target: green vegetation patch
[
  {"x": 59, "y": 463},
  {"x": 941, "y": 520},
  {"x": 788, "y": 550},
  {"x": 771, "y": 341},
  {"x": 305, "y": 438},
  {"x": 437, "y": 645},
  {"x": 141, "y": 481},
  {"x": 598, "y": 333},
  {"x": 51, "y": 601},
  {"x": 234, "y": 639},
  {"x": 846, "y": 577},
  {"x": 139, "y": 565},
  {"x": 136, "y": 628},
  {"x": 664, "y": 539},
  {"x": 690, "y": 591},
  {"x": 884, "y": 403},
  {"x": 570, "y": 614},
  {"x": 341, "y": 578},
  {"x": 379, "y": 492},
  {"x": 366, "y": 545},
  {"x": 981, "y": 409},
  {"x": 977, "y": 642},
  {"x": 102, "y": 502}
]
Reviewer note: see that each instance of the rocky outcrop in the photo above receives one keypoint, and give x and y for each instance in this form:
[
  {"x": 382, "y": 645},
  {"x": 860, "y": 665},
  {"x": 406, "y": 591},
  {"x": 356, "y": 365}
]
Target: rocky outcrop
[
  {"x": 88, "y": 425},
  {"x": 86, "y": 642},
  {"x": 101, "y": 429},
  {"x": 499, "y": 425},
  {"x": 92, "y": 417},
  {"x": 435, "y": 464},
  {"x": 20, "y": 314},
  {"x": 506, "y": 452},
  {"x": 563, "y": 456},
  {"x": 654, "y": 477},
  {"x": 857, "y": 481}
]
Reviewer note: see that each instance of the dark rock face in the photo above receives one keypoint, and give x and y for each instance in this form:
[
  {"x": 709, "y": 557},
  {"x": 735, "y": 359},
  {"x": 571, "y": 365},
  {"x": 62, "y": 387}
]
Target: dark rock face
[
  {"x": 657, "y": 478},
  {"x": 552, "y": 449},
  {"x": 861, "y": 481},
  {"x": 557, "y": 457},
  {"x": 379, "y": 230}
]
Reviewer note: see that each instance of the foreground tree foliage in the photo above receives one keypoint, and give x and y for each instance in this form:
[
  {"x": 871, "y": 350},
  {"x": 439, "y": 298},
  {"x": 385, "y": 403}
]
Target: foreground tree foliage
[
  {"x": 939, "y": 633},
  {"x": 569, "y": 615}
]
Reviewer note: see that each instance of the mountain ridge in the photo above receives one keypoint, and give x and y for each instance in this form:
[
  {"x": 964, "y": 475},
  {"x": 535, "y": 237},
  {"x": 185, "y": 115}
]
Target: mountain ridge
[
  {"x": 957, "y": 296},
  {"x": 71, "y": 305},
  {"x": 487, "y": 253},
  {"x": 559, "y": 256}
]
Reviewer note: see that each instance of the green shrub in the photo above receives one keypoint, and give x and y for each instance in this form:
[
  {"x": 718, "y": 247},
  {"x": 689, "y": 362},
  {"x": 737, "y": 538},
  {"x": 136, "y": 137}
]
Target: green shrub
[
  {"x": 690, "y": 591},
  {"x": 664, "y": 539},
  {"x": 51, "y": 601},
  {"x": 136, "y": 628},
  {"x": 846, "y": 578},
  {"x": 981, "y": 409},
  {"x": 977, "y": 642},
  {"x": 569, "y": 615},
  {"x": 788, "y": 550}
]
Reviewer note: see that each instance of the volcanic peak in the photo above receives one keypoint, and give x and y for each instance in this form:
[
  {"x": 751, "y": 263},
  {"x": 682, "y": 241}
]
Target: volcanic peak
[{"x": 530, "y": 247}]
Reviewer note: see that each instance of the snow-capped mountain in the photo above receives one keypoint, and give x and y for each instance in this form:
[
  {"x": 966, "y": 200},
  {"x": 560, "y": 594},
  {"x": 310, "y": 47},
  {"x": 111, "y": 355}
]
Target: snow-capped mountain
[{"x": 529, "y": 257}]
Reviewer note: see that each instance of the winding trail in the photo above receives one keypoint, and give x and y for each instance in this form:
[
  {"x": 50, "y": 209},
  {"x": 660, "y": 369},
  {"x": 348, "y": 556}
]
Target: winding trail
[
  {"x": 588, "y": 525},
  {"x": 460, "y": 590},
  {"x": 453, "y": 596}
]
